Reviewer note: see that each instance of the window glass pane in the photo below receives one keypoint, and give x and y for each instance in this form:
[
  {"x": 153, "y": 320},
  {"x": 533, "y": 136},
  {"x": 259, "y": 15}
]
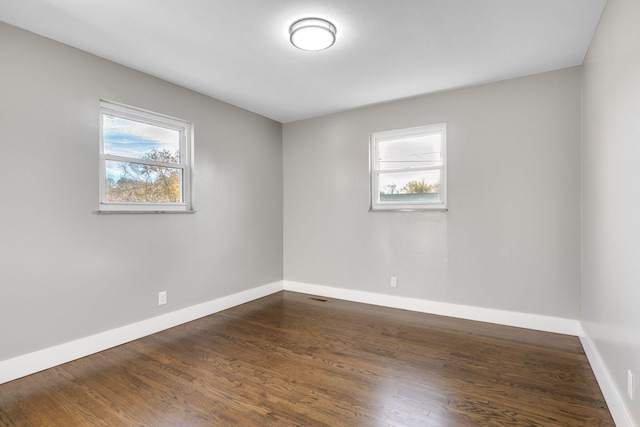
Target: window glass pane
[
  {"x": 407, "y": 187},
  {"x": 133, "y": 182},
  {"x": 410, "y": 152},
  {"x": 137, "y": 140}
]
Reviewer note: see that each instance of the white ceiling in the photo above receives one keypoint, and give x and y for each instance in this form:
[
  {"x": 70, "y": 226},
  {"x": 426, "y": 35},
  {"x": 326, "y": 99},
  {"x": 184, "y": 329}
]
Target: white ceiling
[{"x": 238, "y": 51}]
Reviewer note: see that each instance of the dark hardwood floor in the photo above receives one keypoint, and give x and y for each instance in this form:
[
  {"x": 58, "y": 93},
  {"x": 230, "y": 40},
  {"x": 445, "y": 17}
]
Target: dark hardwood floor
[{"x": 288, "y": 360}]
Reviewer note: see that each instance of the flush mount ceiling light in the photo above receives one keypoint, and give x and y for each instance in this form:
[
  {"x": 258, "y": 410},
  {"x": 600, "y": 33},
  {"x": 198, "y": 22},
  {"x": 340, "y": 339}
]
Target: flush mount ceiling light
[{"x": 312, "y": 34}]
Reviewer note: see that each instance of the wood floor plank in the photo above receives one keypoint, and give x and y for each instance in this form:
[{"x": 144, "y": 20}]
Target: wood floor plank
[{"x": 288, "y": 360}]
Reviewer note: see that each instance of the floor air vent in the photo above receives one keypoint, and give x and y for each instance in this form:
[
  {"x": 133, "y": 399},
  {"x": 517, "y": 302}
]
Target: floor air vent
[{"x": 318, "y": 299}]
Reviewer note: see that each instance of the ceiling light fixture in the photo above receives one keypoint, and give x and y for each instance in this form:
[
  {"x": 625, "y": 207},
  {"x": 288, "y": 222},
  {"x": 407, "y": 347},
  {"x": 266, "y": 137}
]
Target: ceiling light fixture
[{"x": 312, "y": 34}]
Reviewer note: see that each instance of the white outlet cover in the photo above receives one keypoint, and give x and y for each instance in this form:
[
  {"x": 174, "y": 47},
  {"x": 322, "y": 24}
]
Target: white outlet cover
[{"x": 162, "y": 298}]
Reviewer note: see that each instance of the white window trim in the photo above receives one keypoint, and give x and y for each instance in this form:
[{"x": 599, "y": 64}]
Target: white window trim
[
  {"x": 375, "y": 171},
  {"x": 185, "y": 130}
]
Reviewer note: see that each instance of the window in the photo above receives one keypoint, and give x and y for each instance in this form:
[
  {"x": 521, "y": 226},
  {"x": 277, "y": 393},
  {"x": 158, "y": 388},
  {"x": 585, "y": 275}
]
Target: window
[
  {"x": 145, "y": 161},
  {"x": 408, "y": 168}
]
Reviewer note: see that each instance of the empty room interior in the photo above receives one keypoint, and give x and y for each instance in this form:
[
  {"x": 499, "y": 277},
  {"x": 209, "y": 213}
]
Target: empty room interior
[{"x": 320, "y": 213}]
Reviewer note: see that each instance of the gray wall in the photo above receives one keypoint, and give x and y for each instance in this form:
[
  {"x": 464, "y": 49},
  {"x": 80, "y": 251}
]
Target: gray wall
[
  {"x": 610, "y": 196},
  {"x": 511, "y": 237},
  {"x": 66, "y": 272}
]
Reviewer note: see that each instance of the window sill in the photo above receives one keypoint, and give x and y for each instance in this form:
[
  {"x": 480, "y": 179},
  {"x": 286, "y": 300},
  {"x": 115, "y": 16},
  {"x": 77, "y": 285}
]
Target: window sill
[
  {"x": 111, "y": 212},
  {"x": 390, "y": 209}
]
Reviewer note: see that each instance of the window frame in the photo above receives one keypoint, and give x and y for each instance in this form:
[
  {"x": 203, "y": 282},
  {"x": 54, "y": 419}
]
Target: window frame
[
  {"x": 185, "y": 130},
  {"x": 375, "y": 171}
]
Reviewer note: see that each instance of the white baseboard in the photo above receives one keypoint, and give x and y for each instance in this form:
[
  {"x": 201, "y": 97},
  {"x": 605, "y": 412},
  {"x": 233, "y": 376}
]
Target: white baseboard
[
  {"x": 31, "y": 363},
  {"x": 501, "y": 317},
  {"x": 27, "y": 364},
  {"x": 615, "y": 402}
]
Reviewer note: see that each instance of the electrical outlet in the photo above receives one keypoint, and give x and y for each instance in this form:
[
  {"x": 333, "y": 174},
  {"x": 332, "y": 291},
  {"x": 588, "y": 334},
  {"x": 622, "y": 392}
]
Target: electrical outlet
[
  {"x": 631, "y": 385},
  {"x": 162, "y": 298},
  {"x": 394, "y": 282}
]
